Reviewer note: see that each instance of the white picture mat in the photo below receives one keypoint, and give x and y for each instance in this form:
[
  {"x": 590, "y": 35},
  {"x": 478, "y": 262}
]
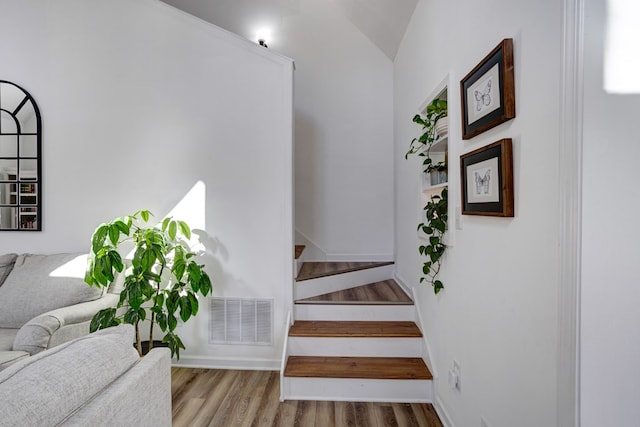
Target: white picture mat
[
  {"x": 482, "y": 182},
  {"x": 483, "y": 96}
]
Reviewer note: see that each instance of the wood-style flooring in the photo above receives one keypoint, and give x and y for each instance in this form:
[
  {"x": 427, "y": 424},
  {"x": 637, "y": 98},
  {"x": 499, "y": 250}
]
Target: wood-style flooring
[
  {"x": 354, "y": 329},
  {"x": 385, "y": 368},
  {"x": 387, "y": 292},
  {"x": 313, "y": 270},
  {"x": 221, "y": 398}
]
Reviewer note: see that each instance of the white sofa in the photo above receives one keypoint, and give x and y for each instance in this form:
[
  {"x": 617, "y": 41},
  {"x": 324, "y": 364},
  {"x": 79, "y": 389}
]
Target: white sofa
[
  {"x": 96, "y": 380},
  {"x": 44, "y": 302}
]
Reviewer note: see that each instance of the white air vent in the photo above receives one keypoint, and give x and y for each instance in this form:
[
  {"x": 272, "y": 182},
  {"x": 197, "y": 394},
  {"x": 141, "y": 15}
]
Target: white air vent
[{"x": 241, "y": 321}]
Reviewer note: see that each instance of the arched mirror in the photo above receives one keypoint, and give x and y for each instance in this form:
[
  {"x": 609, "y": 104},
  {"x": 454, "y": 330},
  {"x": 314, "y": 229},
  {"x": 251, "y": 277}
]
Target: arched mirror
[{"x": 20, "y": 160}]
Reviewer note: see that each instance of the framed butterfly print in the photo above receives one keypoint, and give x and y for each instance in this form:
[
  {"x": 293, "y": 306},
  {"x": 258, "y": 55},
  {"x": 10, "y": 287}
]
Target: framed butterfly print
[
  {"x": 488, "y": 92},
  {"x": 487, "y": 180}
]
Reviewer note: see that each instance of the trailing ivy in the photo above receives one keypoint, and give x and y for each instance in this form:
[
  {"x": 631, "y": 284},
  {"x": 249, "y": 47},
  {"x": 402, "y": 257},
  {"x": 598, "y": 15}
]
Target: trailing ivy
[
  {"x": 434, "y": 226},
  {"x": 435, "y": 211}
]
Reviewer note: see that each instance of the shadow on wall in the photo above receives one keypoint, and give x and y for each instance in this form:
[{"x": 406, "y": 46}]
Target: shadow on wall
[
  {"x": 211, "y": 251},
  {"x": 211, "y": 254},
  {"x": 310, "y": 163}
]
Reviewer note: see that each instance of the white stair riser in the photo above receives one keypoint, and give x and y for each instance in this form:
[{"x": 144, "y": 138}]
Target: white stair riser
[
  {"x": 354, "y": 312},
  {"x": 337, "y": 282},
  {"x": 358, "y": 390},
  {"x": 298, "y": 263},
  {"x": 297, "y": 267},
  {"x": 355, "y": 347}
]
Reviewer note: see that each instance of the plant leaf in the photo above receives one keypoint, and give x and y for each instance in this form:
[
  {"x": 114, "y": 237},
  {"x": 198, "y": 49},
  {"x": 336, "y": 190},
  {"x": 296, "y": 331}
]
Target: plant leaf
[
  {"x": 437, "y": 286},
  {"x": 104, "y": 319},
  {"x": 165, "y": 223},
  {"x": 194, "y": 303},
  {"x": 116, "y": 260},
  {"x": 173, "y": 230},
  {"x": 98, "y": 238},
  {"x": 185, "y": 308},
  {"x": 184, "y": 229},
  {"x": 144, "y": 214},
  {"x": 172, "y": 322}
]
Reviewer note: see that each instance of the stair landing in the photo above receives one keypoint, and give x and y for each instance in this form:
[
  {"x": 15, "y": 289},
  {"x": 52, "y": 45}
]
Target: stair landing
[
  {"x": 314, "y": 270},
  {"x": 386, "y": 292}
]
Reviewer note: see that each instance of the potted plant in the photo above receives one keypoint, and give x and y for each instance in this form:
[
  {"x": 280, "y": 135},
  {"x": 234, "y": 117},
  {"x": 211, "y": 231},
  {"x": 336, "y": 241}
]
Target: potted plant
[
  {"x": 162, "y": 280},
  {"x": 436, "y": 216},
  {"x": 422, "y": 145}
]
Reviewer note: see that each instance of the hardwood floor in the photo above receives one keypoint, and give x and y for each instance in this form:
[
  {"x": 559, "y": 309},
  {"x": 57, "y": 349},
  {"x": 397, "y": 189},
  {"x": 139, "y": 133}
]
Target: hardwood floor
[
  {"x": 313, "y": 270},
  {"x": 387, "y": 292},
  {"x": 354, "y": 329},
  {"x": 391, "y": 368},
  {"x": 204, "y": 397}
]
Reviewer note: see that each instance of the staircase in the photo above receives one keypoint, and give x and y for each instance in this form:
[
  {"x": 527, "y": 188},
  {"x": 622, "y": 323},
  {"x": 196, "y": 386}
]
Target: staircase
[{"x": 354, "y": 337}]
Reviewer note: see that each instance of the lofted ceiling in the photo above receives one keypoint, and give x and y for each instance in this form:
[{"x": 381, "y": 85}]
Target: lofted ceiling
[{"x": 384, "y": 22}]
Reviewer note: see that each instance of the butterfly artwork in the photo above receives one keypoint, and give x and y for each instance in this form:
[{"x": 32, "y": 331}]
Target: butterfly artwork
[
  {"x": 483, "y": 98},
  {"x": 483, "y": 182}
]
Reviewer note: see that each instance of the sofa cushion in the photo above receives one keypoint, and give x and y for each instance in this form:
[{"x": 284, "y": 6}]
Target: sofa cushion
[
  {"x": 6, "y": 265},
  {"x": 40, "y": 283},
  {"x": 6, "y": 338},
  {"x": 8, "y": 358},
  {"x": 47, "y": 388}
]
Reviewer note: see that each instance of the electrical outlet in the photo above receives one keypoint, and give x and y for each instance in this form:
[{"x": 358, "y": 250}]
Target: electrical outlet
[
  {"x": 454, "y": 376},
  {"x": 453, "y": 379},
  {"x": 456, "y": 369}
]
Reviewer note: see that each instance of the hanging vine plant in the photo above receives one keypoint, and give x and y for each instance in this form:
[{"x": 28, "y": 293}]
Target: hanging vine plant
[{"x": 436, "y": 217}]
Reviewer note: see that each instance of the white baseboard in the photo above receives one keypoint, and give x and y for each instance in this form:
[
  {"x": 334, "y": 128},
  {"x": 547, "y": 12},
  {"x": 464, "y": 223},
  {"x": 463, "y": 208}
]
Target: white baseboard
[
  {"x": 312, "y": 251},
  {"x": 403, "y": 284},
  {"x": 206, "y": 362},
  {"x": 442, "y": 412}
]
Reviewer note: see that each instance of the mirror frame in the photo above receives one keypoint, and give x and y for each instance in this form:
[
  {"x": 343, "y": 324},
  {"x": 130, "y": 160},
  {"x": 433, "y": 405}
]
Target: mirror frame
[{"x": 31, "y": 218}]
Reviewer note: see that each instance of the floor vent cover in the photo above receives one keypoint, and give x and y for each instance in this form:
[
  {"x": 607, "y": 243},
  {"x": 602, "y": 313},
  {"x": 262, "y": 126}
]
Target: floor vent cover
[{"x": 241, "y": 321}]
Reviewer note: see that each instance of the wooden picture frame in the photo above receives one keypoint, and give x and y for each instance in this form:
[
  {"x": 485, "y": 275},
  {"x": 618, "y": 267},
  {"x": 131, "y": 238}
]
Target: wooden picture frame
[
  {"x": 486, "y": 178},
  {"x": 488, "y": 92}
]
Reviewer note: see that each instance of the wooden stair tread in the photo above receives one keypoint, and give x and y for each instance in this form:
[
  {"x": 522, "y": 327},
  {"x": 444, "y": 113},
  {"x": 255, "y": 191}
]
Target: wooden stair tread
[
  {"x": 386, "y": 292},
  {"x": 354, "y": 329},
  {"x": 394, "y": 368},
  {"x": 314, "y": 270},
  {"x": 298, "y": 251}
]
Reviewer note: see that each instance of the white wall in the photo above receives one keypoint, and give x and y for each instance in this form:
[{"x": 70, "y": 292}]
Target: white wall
[
  {"x": 610, "y": 343},
  {"x": 142, "y": 103},
  {"x": 344, "y": 132},
  {"x": 343, "y": 122},
  {"x": 497, "y": 316}
]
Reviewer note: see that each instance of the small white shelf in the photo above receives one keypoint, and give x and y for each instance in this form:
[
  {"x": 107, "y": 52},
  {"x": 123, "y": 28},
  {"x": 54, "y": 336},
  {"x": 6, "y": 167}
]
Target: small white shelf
[
  {"x": 441, "y": 145},
  {"x": 430, "y": 188}
]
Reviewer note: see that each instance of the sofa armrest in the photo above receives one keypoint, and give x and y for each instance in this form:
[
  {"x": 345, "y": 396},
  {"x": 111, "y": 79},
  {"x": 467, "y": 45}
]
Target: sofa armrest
[
  {"x": 140, "y": 397},
  {"x": 60, "y": 325}
]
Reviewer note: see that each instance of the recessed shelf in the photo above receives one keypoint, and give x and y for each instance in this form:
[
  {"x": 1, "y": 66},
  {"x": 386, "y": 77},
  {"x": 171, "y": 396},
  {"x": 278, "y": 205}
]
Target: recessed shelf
[
  {"x": 435, "y": 187},
  {"x": 441, "y": 145}
]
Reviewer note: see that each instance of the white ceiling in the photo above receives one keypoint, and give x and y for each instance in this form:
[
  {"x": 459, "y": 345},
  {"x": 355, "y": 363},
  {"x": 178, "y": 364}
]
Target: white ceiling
[{"x": 384, "y": 22}]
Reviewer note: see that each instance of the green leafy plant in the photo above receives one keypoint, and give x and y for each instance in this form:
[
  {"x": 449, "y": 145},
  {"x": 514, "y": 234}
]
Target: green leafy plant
[
  {"x": 436, "y": 217},
  {"x": 434, "y": 226},
  {"x": 161, "y": 282},
  {"x": 422, "y": 145}
]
